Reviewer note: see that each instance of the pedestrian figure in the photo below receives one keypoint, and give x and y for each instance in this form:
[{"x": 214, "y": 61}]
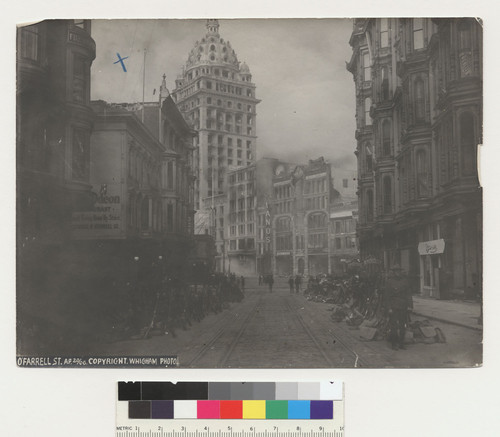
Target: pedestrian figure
[
  {"x": 397, "y": 289},
  {"x": 270, "y": 281},
  {"x": 260, "y": 279},
  {"x": 242, "y": 283},
  {"x": 290, "y": 283},
  {"x": 298, "y": 283}
]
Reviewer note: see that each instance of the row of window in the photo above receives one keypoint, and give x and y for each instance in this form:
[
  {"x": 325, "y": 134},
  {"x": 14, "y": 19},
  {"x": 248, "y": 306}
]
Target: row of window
[
  {"x": 284, "y": 207},
  {"x": 318, "y": 241},
  {"x": 315, "y": 186},
  {"x": 241, "y": 176},
  {"x": 282, "y": 192},
  {"x": 221, "y": 152},
  {"x": 210, "y": 124},
  {"x": 147, "y": 214},
  {"x": 145, "y": 171},
  {"x": 211, "y": 101},
  {"x": 230, "y": 162},
  {"x": 241, "y": 217},
  {"x": 242, "y": 244},
  {"x": 317, "y": 202},
  {"x": 242, "y": 229},
  {"x": 228, "y": 103},
  {"x": 345, "y": 226},
  {"x": 344, "y": 243},
  {"x": 225, "y": 88},
  {"x": 415, "y": 169},
  {"x": 239, "y": 191},
  {"x": 228, "y": 116},
  {"x": 214, "y": 70}
]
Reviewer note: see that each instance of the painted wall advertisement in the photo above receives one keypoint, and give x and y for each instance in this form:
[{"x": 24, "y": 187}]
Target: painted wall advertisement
[{"x": 104, "y": 220}]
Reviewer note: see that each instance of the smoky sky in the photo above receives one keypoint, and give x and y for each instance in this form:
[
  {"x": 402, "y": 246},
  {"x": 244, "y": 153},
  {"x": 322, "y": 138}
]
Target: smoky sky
[{"x": 298, "y": 65}]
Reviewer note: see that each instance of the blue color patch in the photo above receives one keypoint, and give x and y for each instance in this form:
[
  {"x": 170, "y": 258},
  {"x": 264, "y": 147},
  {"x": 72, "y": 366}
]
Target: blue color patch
[{"x": 299, "y": 409}]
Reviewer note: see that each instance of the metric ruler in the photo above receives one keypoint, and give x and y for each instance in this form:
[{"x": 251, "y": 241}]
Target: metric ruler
[
  {"x": 233, "y": 428},
  {"x": 194, "y": 409}
]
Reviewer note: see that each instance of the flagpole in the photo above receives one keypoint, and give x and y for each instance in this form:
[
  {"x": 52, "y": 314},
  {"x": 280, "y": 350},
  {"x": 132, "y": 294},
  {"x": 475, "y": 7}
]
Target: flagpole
[{"x": 143, "y": 85}]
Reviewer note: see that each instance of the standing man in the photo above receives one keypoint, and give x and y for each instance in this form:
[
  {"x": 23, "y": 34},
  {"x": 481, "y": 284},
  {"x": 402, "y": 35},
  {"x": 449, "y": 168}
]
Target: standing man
[
  {"x": 270, "y": 281},
  {"x": 290, "y": 283},
  {"x": 242, "y": 282},
  {"x": 298, "y": 283},
  {"x": 397, "y": 290}
]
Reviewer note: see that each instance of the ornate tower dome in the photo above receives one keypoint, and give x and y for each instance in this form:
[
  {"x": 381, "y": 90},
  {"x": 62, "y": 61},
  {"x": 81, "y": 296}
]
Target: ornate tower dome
[
  {"x": 212, "y": 50},
  {"x": 216, "y": 95}
]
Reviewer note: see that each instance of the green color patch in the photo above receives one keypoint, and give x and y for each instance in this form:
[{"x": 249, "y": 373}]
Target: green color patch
[{"x": 276, "y": 409}]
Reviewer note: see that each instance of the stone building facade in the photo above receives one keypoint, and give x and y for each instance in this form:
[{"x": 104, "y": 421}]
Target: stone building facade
[
  {"x": 419, "y": 116},
  {"x": 343, "y": 240},
  {"x": 216, "y": 94},
  {"x": 142, "y": 222}
]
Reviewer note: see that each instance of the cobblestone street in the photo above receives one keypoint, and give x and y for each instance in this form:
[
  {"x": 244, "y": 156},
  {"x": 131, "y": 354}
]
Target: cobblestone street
[{"x": 283, "y": 330}]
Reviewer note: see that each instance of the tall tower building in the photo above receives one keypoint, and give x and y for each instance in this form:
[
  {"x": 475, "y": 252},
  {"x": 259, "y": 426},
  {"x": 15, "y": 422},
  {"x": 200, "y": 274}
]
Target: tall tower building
[{"x": 216, "y": 95}]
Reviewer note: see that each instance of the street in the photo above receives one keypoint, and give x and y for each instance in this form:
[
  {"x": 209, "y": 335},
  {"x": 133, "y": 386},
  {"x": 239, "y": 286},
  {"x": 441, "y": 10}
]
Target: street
[{"x": 283, "y": 330}]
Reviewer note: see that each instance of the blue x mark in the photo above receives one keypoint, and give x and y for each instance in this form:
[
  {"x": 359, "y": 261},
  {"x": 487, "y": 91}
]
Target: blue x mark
[{"x": 120, "y": 60}]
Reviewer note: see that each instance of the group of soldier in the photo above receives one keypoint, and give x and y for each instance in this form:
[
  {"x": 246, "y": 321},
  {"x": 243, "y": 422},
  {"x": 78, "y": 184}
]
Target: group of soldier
[
  {"x": 295, "y": 283},
  {"x": 383, "y": 295},
  {"x": 178, "y": 304},
  {"x": 386, "y": 295}
]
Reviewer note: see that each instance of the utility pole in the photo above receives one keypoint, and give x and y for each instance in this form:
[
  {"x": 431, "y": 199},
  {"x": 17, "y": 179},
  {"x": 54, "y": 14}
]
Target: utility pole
[{"x": 143, "y": 85}]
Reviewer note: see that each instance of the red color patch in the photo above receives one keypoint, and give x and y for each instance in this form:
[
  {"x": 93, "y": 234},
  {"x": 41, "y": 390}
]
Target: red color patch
[{"x": 231, "y": 409}]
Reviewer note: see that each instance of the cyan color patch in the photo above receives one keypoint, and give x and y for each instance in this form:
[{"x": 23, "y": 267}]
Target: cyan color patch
[{"x": 299, "y": 409}]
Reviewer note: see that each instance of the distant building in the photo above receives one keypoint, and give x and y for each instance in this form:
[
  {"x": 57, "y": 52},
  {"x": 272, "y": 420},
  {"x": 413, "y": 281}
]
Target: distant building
[
  {"x": 217, "y": 97},
  {"x": 275, "y": 218},
  {"x": 240, "y": 220},
  {"x": 419, "y": 118},
  {"x": 301, "y": 204}
]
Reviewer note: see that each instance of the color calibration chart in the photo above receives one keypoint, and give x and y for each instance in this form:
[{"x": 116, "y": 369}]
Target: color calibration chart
[{"x": 230, "y": 409}]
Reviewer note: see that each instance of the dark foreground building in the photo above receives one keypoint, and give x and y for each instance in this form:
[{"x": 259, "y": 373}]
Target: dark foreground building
[
  {"x": 53, "y": 127},
  {"x": 419, "y": 119},
  {"x": 104, "y": 201}
]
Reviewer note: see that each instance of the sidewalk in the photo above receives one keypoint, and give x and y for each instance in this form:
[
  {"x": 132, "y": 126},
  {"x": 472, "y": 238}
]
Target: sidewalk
[{"x": 464, "y": 314}]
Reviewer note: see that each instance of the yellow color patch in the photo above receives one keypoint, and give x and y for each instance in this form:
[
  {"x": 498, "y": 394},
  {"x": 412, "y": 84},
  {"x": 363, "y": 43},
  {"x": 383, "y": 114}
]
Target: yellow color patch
[{"x": 254, "y": 409}]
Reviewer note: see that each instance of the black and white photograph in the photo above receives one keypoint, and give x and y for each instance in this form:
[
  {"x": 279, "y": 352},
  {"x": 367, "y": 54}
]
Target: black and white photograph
[{"x": 249, "y": 193}]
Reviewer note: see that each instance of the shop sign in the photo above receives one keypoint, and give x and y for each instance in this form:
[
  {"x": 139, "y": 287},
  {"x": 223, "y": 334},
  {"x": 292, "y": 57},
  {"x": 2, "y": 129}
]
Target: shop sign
[
  {"x": 431, "y": 247},
  {"x": 283, "y": 252},
  {"x": 268, "y": 224},
  {"x": 105, "y": 218}
]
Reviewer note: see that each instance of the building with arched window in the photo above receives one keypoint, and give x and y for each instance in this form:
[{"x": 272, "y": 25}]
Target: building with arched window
[{"x": 420, "y": 200}]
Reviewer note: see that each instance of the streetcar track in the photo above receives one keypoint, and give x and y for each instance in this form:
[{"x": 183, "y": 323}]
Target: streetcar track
[
  {"x": 242, "y": 329},
  {"x": 356, "y": 359},
  {"x": 358, "y": 362},
  {"x": 309, "y": 333},
  {"x": 207, "y": 347}
]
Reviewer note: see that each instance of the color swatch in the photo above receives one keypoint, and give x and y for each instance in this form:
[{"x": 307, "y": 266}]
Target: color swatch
[{"x": 230, "y": 400}]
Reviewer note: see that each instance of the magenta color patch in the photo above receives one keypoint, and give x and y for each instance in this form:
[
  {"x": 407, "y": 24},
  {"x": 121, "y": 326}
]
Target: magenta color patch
[{"x": 208, "y": 410}]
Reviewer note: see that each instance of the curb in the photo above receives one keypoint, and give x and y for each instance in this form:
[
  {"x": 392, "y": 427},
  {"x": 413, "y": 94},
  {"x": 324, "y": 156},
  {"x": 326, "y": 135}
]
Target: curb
[{"x": 463, "y": 325}]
